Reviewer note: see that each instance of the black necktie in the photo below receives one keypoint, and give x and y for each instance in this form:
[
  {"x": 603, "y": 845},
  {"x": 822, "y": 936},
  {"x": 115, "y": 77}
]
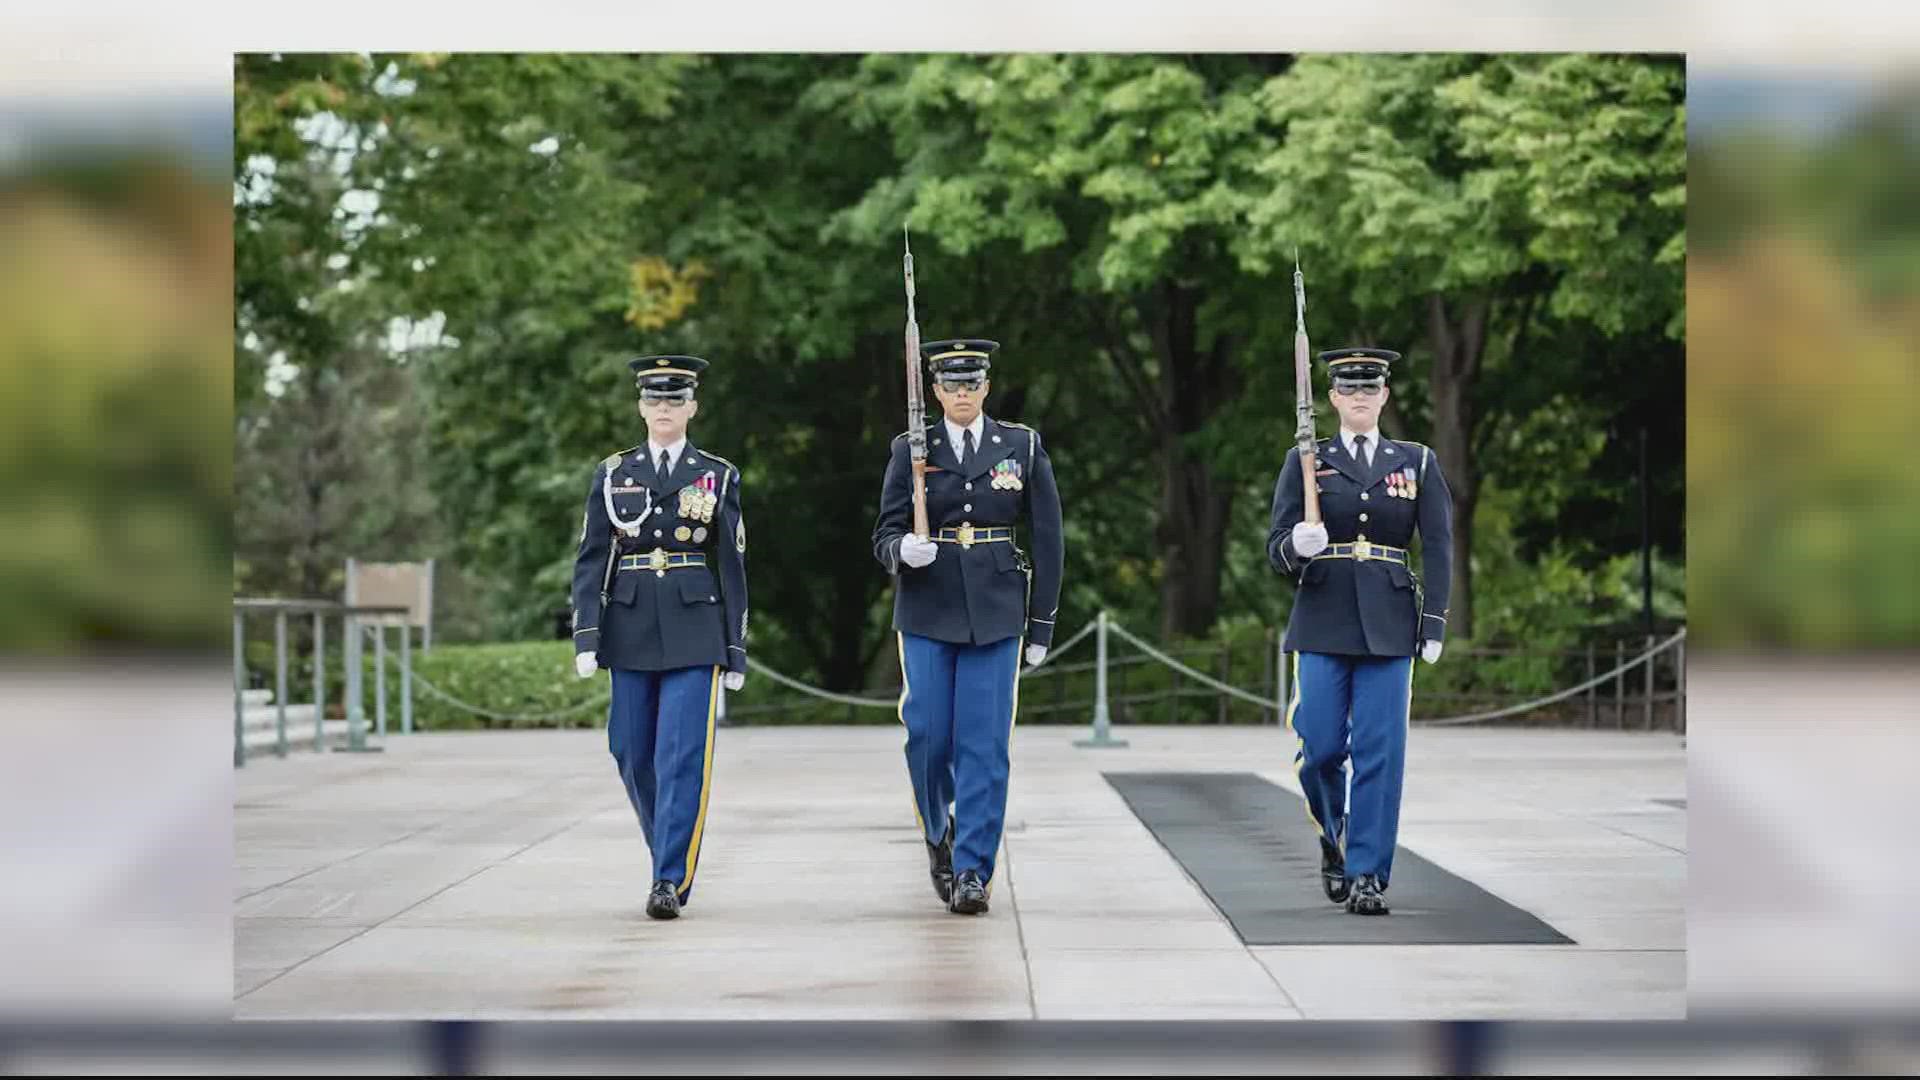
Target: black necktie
[
  {"x": 660, "y": 474},
  {"x": 966, "y": 458},
  {"x": 1360, "y": 450}
]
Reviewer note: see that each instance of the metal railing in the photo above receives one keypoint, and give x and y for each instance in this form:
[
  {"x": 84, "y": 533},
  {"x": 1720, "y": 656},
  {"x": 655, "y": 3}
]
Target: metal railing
[{"x": 354, "y": 620}]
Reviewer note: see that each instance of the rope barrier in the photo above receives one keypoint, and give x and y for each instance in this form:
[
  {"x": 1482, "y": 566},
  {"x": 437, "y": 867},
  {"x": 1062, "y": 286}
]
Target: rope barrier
[
  {"x": 824, "y": 695},
  {"x": 890, "y": 700},
  {"x": 1528, "y": 706},
  {"x": 597, "y": 702},
  {"x": 1116, "y": 628},
  {"x": 1447, "y": 721}
]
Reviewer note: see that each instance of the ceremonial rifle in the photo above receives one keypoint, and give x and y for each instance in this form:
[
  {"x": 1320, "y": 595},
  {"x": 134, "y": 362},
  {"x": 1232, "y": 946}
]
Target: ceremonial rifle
[
  {"x": 916, "y": 405},
  {"x": 1303, "y": 392}
]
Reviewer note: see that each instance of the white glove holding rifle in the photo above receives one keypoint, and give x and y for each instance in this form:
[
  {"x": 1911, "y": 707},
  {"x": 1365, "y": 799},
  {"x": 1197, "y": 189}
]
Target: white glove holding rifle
[
  {"x": 1310, "y": 538},
  {"x": 917, "y": 551}
]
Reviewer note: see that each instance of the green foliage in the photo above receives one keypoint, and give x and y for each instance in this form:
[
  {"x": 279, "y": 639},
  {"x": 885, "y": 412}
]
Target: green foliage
[
  {"x": 527, "y": 681},
  {"x": 1461, "y": 172},
  {"x": 113, "y": 351},
  {"x": 1123, "y": 224},
  {"x": 1805, "y": 293}
]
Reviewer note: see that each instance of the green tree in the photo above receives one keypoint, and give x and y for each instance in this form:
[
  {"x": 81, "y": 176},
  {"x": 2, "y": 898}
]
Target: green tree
[
  {"x": 1468, "y": 202},
  {"x": 1125, "y": 225},
  {"x": 1123, "y": 166}
]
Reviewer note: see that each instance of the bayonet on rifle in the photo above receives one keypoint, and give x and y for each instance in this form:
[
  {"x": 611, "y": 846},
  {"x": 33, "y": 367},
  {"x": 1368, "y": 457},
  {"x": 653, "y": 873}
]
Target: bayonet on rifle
[
  {"x": 916, "y": 403},
  {"x": 1303, "y": 394}
]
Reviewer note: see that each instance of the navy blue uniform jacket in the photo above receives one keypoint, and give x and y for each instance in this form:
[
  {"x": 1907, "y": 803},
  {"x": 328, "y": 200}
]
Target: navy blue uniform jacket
[
  {"x": 647, "y": 620},
  {"x": 1371, "y": 607},
  {"x": 990, "y": 591}
]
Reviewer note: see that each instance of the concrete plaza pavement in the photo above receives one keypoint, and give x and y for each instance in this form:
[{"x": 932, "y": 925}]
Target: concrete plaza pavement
[{"x": 502, "y": 875}]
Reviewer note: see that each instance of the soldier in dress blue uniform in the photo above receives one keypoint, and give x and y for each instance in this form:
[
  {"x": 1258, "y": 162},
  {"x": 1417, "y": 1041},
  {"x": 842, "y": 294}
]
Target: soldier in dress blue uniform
[
  {"x": 1360, "y": 614},
  {"x": 660, "y": 601},
  {"x": 966, "y": 598}
]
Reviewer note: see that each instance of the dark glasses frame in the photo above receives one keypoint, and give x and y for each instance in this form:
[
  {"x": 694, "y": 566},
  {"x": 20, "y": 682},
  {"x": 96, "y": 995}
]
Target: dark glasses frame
[{"x": 1367, "y": 389}]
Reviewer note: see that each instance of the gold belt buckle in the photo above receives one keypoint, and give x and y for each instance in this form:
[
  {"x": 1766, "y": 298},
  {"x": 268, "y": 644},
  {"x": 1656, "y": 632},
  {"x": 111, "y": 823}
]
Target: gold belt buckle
[
  {"x": 966, "y": 535},
  {"x": 1362, "y": 550},
  {"x": 657, "y": 561}
]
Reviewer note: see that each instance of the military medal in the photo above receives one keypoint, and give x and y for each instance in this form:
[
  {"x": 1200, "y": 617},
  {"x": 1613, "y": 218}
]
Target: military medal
[
  {"x": 1006, "y": 475},
  {"x": 682, "y": 534},
  {"x": 700, "y": 535},
  {"x": 697, "y": 500}
]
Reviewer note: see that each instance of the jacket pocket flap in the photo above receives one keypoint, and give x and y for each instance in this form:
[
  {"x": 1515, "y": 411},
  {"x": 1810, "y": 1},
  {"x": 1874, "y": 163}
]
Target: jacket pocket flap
[
  {"x": 696, "y": 588},
  {"x": 1004, "y": 557}
]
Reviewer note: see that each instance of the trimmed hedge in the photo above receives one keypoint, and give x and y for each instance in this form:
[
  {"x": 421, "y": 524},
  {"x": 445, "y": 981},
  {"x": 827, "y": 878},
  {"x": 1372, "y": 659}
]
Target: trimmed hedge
[{"x": 526, "y": 680}]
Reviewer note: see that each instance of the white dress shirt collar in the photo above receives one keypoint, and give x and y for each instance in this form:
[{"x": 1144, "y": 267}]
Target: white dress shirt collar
[
  {"x": 1347, "y": 435},
  {"x": 673, "y": 452},
  {"x": 978, "y": 427}
]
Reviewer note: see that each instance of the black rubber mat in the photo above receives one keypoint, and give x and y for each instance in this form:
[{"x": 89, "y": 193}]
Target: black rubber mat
[{"x": 1252, "y": 848}]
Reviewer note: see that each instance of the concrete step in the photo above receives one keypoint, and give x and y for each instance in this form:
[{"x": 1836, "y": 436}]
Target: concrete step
[
  {"x": 264, "y": 739},
  {"x": 268, "y": 717}
]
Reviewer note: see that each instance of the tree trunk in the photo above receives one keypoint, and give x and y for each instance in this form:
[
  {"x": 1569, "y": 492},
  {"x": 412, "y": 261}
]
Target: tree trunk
[
  {"x": 1459, "y": 339},
  {"x": 1192, "y": 535},
  {"x": 1194, "y": 505},
  {"x": 839, "y": 637}
]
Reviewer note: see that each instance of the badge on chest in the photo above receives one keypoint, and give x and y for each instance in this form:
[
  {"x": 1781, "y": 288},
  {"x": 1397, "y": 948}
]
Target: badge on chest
[
  {"x": 1401, "y": 484},
  {"x": 1006, "y": 475}
]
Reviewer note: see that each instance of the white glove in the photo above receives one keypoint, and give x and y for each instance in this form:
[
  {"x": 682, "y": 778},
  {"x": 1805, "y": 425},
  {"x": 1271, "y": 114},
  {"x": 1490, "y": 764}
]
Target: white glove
[
  {"x": 734, "y": 680},
  {"x": 1309, "y": 538},
  {"x": 1035, "y": 654},
  {"x": 585, "y": 664},
  {"x": 916, "y": 551},
  {"x": 1430, "y": 651}
]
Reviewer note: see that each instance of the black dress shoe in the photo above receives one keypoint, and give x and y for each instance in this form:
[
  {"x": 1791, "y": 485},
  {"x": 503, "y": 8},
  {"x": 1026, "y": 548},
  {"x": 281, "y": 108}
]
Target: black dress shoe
[
  {"x": 662, "y": 903},
  {"x": 969, "y": 894},
  {"x": 1333, "y": 873},
  {"x": 940, "y": 865},
  {"x": 1366, "y": 898}
]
